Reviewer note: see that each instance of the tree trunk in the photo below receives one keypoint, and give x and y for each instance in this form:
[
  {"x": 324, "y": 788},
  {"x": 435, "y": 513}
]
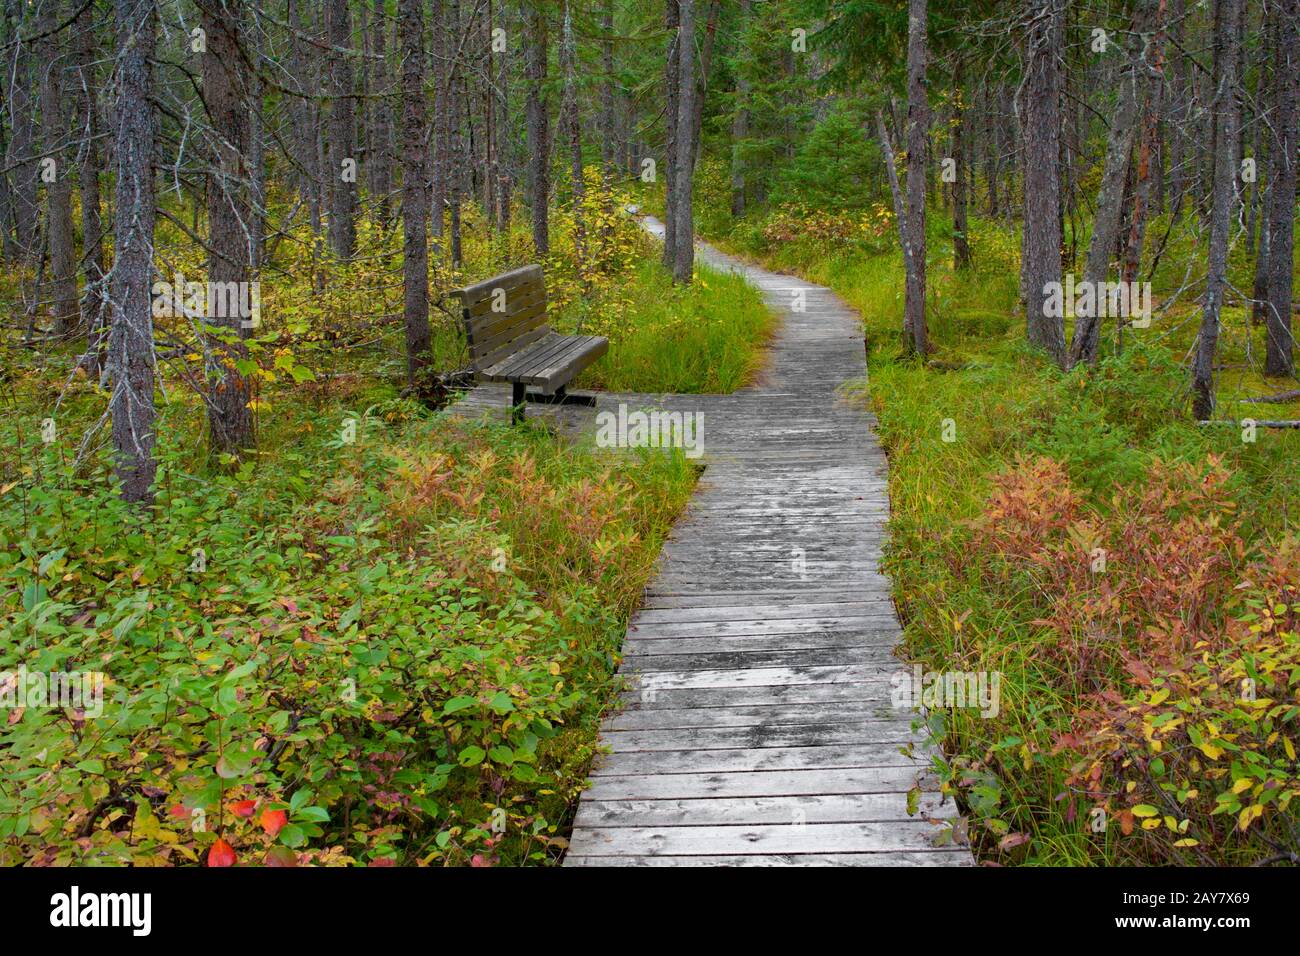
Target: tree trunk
[
  {"x": 225, "y": 94},
  {"x": 672, "y": 97},
  {"x": 1279, "y": 358},
  {"x": 437, "y": 143},
  {"x": 900, "y": 209},
  {"x": 415, "y": 206},
  {"x": 706, "y": 64},
  {"x": 609, "y": 116},
  {"x": 960, "y": 244},
  {"x": 131, "y": 346},
  {"x": 684, "y": 218},
  {"x": 1148, "y": 171},
  {"x": 1177, "y": 98},
  {"x": 1110, "y": 196},
  {"x": 505, "y": 151},
  {"x": 572, "y": 124},
  {"x": 92, "y": 229},
  {"x": 1040, "y": 110},
  {"x": 54, "y": 131},
  {"x": 538, "y": 122},
  {"x": 21, "y": 157},
  {"x": 918, "y": 131},
  {"x": 381, "y": 140},
  {"x": 1227, "y": 44},
  {"x": 740, "y": 124},
  {"x": 343, "y": 171}
]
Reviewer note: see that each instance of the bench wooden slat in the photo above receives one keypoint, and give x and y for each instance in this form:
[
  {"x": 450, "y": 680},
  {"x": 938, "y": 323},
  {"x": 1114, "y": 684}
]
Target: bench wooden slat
[
  {"x": 532, "y": 356},
  {"x": 470, "y": 296},
  {"x": 509, "y": 340},
  {"x": 483, "y": 317},
  {"x": 506, "y": 350}
]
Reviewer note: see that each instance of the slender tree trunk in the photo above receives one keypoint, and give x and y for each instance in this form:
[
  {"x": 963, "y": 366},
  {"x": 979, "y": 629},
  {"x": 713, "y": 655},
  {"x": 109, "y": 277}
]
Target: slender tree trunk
[
  {"x": 609, "y": 116},
  {"x": 131, "y": 360},
  {"x": 230, "y": 239},
  {"x": 439, "y": 145},
  {"x": 960, "y": 245},
  {"x": 1110, "y": 196},
  {"x": 1040, "y": 108},
  {"x": 256, "y": 147},
  {"x": 740, "y": 124},
  {"x": 381, "y": 145},
  {"x": 54, "y": 129},
  {"x": 415, "y": 206},
  {"x": 672, "y": 90},
  {"x": 22, "y": 144},
  {"x": 706, "y": 64},
  {"x": 1279, "y": 357},
  {"x": 343, "y": 153},
  {"x": 1177, "y": 99},
  {"x": 505, "y": 150},
  {"x": 572, "y": 124},
  {"x": 1227, "y": 44},
  {"x": 1148, "y": 172},
  {"x": 92, "y": 230},
  {"x": 538, "y": 121},
  {"x": 900, "y": 208},
  {"x": 684, "y": 217},
  {"x": 918, "y": 131}
]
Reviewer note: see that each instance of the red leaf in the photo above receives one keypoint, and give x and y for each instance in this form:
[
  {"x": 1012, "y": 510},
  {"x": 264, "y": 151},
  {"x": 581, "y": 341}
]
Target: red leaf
[
  {"x": 382, "y": 861},
  {"x": 273, "y": 820},
  {"x": 281, "y": 856},
  {"x": 221, "y": 854},
  {"x": 243, "y": 808},
  {"x": 179, "y": 811}
]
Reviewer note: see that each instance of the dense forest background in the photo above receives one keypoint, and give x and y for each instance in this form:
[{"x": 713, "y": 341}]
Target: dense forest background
[{"x": 230, "y": 234}]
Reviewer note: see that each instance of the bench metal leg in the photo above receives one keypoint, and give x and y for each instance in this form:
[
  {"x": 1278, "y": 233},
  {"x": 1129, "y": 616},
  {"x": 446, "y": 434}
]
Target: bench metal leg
[{"x": 516, "y": 402}]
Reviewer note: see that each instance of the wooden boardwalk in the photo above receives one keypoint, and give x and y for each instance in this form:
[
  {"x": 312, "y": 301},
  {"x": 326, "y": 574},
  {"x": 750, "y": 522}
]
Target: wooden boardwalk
[{"x": 758, "y": 727}]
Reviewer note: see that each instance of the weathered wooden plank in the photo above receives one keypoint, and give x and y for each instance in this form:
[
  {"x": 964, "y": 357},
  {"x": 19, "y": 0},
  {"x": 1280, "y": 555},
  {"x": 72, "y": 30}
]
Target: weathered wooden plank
[
  {"x": 653, "y": 698},
  {"x": 766, "y": 676},
  {"x": 759, "y": 838},
  {"x": 762, "y": 783},
  {"x": 760, "y": 736},
  {"x": 790, "y": 810},
  {"x": 881, "y": 621},
  {"x": 790, "y": 610},
  {"x": 751, "y": 715},
  {"x": 762, "y": 758},
  {"x": 789, "y": 640}
]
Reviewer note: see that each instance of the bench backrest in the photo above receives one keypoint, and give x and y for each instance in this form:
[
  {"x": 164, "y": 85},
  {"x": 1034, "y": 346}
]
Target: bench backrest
[{"x": 504, "y": 314}]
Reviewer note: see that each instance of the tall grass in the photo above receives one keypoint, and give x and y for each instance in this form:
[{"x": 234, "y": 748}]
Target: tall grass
[{"x": 704, "y": 338}]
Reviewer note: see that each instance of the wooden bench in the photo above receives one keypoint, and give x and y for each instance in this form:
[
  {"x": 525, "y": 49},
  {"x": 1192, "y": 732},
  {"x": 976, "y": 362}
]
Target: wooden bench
[{"x": 509, "y": 340}]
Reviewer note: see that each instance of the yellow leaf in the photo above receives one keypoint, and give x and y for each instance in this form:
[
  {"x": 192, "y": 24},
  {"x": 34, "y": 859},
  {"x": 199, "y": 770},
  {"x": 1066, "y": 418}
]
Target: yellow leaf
[
  {"x": 1187, "y": 842},
  {"x": 1211, "y": 751}
]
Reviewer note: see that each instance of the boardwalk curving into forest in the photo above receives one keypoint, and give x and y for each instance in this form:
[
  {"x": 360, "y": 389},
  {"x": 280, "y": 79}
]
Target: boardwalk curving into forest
[{"x": 758, "y": 727}]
